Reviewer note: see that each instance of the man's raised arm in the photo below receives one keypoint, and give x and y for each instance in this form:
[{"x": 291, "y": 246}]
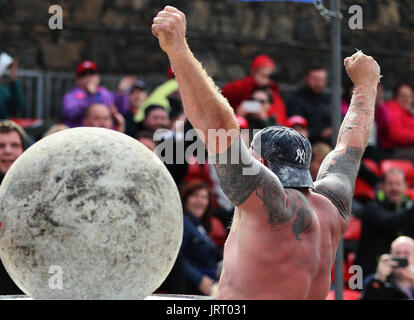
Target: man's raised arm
[
  {"x": 338, "y": 172},
  {"x": 204, "y": 106}
]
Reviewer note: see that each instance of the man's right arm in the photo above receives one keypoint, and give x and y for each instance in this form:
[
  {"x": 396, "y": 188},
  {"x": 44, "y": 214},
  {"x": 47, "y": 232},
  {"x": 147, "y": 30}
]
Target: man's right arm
[{"x": 338, "y": 172}]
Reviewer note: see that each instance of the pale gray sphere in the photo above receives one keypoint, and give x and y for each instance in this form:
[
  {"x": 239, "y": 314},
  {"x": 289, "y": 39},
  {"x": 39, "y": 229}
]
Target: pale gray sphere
[{"x": 89, "y": 213}]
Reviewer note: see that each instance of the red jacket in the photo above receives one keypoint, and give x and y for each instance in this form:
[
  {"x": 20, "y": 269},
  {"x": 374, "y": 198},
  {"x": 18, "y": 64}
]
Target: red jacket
[
  {"x": 399, "y": 131},
  {"x": 241, "y": 89}
]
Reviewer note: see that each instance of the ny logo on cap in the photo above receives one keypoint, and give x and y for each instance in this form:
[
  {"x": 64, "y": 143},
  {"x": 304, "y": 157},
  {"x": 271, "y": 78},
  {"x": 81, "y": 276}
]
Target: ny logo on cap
[{"x": 300, "y": 156}]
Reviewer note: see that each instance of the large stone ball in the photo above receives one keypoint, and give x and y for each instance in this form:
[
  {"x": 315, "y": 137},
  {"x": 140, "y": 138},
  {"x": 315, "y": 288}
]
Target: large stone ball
[{"x": 89, "y": 213}]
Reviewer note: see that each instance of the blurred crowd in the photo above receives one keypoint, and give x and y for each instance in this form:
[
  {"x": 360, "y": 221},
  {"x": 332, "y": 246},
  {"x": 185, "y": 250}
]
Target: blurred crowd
[{"x": 379, "y": 237}]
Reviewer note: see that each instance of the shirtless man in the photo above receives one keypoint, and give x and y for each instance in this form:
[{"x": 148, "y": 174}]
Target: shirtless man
[{"x": 286, "y": 230}]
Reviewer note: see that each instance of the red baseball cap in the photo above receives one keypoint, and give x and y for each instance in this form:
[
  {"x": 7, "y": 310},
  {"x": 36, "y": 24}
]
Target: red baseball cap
[
  {"x": 261, "y": 61},
  {"x": 297, "y": 120},
  {"x": 86, "y": 65}
]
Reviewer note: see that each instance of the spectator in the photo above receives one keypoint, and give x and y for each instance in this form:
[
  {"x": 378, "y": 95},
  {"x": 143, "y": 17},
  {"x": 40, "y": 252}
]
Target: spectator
[
  {"x": 11, "y": 97},
  {"x": 319, "y": 151},
  {"x": 392, "y": 214},
  {"x": 134, "y": 97},
  {"x": 259, "y": 118},
  {"x": 166, "y": 95},
  {"x": 174, "y": 99},
  {"x": 85, "y": 93},
  {"x": 200, "y": 253},
  {"x": 99, "y": 115},
  {"x": 176, "y": 282},
  {"x": 137, "y": 94},
  {"x": 177, "y": 125},
  {"x": 391, "y": 280},
  {"x": 312, "y": 103},
  {"x": 13, "y": 142},
  {"x": 145, "y": 137},
  {"x": 397, "y": 134},
  {"x": 157, "y": 122},
  {"x": 261, "y": 69},
  {"x": 156, "y": 117},
  {"x": 298, "y": 123}
]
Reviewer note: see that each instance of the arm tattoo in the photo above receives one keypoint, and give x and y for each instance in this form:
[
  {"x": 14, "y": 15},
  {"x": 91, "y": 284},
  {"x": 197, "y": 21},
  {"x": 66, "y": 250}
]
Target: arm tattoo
[
  {"x": 235, "y": 184},
  {"x": 274, "y": 200},
  {"x": 303, "y": 211},
  {"x": 281, "y": 206},
  {"x": 342, "y": 163},
  {"x": 341, "y": 170}
]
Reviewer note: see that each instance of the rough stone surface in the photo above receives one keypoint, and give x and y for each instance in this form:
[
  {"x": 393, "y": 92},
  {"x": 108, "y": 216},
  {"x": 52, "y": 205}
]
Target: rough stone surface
[{"x": 96, "y": 203}]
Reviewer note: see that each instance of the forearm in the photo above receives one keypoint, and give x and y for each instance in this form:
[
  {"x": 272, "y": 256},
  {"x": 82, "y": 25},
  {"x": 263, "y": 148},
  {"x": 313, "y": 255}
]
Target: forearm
[
  {"x": 343, "y": 162},
  {"x": 203, "y": 104},
  {"x": 356, "y": 127}
]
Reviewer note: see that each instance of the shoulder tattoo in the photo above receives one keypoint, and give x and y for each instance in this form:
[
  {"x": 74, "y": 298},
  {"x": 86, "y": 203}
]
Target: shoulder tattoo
[{"x": 343, "y": 167}]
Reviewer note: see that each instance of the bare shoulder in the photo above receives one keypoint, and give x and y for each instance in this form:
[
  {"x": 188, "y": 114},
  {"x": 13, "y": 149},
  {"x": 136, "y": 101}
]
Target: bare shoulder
[{"x": 327, "y": 213}]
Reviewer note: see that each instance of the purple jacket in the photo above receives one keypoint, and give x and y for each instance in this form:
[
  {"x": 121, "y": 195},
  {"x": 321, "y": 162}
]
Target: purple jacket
[{"x": 76, "y": 102}]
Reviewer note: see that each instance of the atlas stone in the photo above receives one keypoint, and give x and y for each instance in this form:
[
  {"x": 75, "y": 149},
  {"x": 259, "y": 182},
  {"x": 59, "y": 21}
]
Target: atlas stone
[{"x": 95, "y": 205}]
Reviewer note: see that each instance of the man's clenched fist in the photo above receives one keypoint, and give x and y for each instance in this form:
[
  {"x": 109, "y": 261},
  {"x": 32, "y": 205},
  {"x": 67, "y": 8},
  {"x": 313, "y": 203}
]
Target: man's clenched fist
[
  {"x": 362, "y": 69},
  {"x": 169, "y": 27}
]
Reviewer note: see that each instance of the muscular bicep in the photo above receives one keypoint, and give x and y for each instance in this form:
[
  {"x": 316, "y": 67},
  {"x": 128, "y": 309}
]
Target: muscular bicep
[{"x": 337, "y": 175}]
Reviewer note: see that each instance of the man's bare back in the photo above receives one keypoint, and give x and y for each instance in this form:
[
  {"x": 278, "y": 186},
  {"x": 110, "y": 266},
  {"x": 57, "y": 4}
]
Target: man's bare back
[
  {"x": 287, "y": 261},
  {"x": 283, "y": 242}
]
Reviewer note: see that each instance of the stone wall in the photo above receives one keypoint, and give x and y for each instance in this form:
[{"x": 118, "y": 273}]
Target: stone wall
[{"x": 224, "y": 34}]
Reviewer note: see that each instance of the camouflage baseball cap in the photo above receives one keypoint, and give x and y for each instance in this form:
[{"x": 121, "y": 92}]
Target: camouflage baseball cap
[{"x": 288, "y": 154}]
